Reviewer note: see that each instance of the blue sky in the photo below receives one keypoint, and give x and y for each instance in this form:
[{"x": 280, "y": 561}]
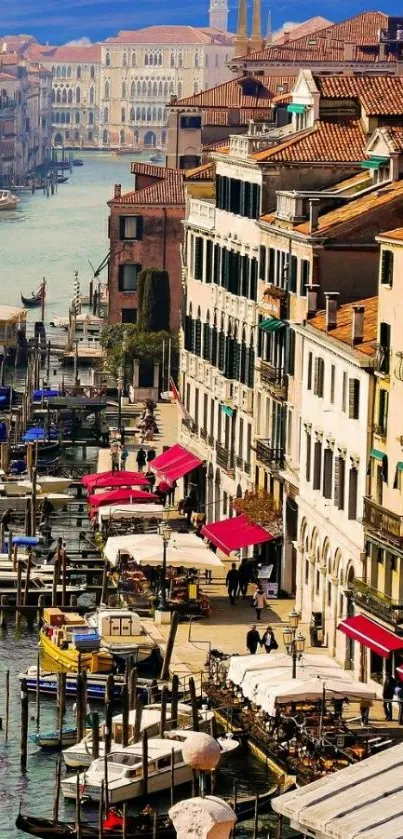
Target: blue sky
[{"x": 58, "y": 22}]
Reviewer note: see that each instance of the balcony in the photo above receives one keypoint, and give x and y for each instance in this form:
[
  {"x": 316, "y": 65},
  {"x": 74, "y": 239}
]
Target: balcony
[
  {"x": 270, "y": 456},
  {"x": 202, "y": 214},
  {"x": 382, "y": 360},
  {"x": 378, "y": 604},
  {"x": 225, "y": 459},
  {"x": 383, "y": 522},
  {"x": 274, "y": 378},
  {"x": 190, "y": 425}
]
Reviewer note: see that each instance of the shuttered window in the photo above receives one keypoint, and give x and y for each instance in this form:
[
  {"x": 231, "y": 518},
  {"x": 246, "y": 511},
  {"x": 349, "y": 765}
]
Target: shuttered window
[
  {"x": 253, "y": 280},
  {"x": 127, "y": 278},
  {"x": 262, "y": 263},
  {"x": 214, "y": 346},
  {"x": 332, "y": 383},
  {"x": 206, "y": 341},
  {"x": 327, "y": 473},
  {"x": 244, "y": 276},
  {"x": 198, "y": 272},
  {"x": 130, "y": 227},
  {"x": 384, "y": 340},
  {"x": 290, "y": 351},
  {"x": 344, "y": 394},
  {"x": 198, "y": 333},
  {"x": 251, "y": 371},
  {"x": 209, "y": 261},
  {"x": 387, "y": 268},
  {"x": 188, "y": 332},
  {"x": 217, "y": 264},
  {"x": 339, "y": 482},
  {"x": 292, "y": 273},
  {"x": 305, "y": 270},
  {"x": 308, "y": 456},
  {"x": 221, "y": 351},
  {"x": 271, "y": 266},
  {"x": 383, "y": 411},
  {"x": 309, "y": 372},
  {"x": 317, "y": 464},
  {"x": 352, "y": 494},
  {"x": 319, "y": 377},
  {"x": 236, "y": 361},
  {"x": 353, "y": 398}
]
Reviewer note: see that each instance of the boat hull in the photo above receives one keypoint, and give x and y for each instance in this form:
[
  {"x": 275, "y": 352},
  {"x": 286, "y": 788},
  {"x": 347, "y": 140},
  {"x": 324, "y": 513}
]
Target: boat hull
[
  {"x": 48, "y": 686},
  {"x": 126, "y": 789},
  {"x": 69, "y": 660},
  {"x": 51, "y": 740}
]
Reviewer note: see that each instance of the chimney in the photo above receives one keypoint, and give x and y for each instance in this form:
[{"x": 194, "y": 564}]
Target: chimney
[
  {"x": 286, "y": 36},
  {"x": 331, "y": 309},
  {"x": 118, "y": 191},
  {"x": 312, "y": 297},
  {"x": 313, "y": 214},
  {"x": 357, "y": 335}
]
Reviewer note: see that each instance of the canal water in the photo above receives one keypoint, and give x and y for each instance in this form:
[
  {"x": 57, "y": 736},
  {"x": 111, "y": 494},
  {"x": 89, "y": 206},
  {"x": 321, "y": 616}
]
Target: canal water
[{"x": 52, "y": 237}]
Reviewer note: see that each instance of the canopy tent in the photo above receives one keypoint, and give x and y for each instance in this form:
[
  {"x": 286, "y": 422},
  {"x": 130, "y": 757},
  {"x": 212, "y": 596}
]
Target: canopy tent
[
  {"x": 236, "y": 533},
  {"x": 40, "y": 434},
  {"x": 131, "y": 511},
  {"x": 175, "y": 463},
  {"x": 120, "y": 496},
  {"x": 371, "y": 634},
  {"x": 184, "y": 550},
  {"x": 101, "y": 480}
]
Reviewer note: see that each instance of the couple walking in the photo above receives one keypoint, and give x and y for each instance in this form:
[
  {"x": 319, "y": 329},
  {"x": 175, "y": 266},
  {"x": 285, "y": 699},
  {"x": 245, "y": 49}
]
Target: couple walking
[{"x": 268, "y": 640}]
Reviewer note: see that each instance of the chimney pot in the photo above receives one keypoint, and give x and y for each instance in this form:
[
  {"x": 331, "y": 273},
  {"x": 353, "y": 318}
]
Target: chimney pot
[
  {"x": 286, "y": 36},
  {"x": 331, "y": 309},
  {"x": 118, "y": 190},
  {"x": 312, "y": 298},
  {"x": 358, "y": 325},
  {"x": 313, "y": 214}
]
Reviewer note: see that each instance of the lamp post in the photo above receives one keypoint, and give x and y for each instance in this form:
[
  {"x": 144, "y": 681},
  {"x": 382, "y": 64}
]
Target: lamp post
[
  {"x": 165, "y": 532},
  {"x": 295, "y": 644},
  {"x": 120, "y": 392}
]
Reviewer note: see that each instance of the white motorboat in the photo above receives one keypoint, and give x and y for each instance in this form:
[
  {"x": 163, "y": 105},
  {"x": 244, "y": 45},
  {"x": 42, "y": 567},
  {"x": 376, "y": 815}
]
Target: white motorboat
[
  {"x": 52, "y": 483},
  {"x": 81, "y": 753},
  {"x": 8, "y": 201},
  {"x": 125, "y": 779},
  {"x": 57, "y": 499},
  {"x": 122, "y": 633}
]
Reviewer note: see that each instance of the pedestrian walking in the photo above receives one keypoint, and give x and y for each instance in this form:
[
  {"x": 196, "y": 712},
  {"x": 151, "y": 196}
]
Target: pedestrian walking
[
  {"x": 259, "y": 602},
  {"x": 115, "y": 456},
  {"x": 269, "y": 641},
  {"x": 104, "y": 433},
  {"x": 252, "y": 640},
  {"x": 6, "y": 519},
  {"x": 47, "y": 510},
  {"x": 399, "y": 697},
  {"x": 141, "y": 459},
  {"x": 232, "y": 580},
  {"x": 124, "y": 454},
  {"x": 365, "y": 707},
  {"x": 244, "y": 578},
  {"x": 150, "y": 455},
  {"x": 388, "y": 692}
]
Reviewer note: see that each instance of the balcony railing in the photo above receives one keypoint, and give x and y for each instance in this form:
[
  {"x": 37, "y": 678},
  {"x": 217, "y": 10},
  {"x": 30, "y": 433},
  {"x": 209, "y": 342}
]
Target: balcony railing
[
  {"x": 203, "y": 434},
  {"x": 274, "y": 378},
  {"x": 225, "y": 459},
  {"x": 378, "y": 604},
  {"x": 382, "y": 360},
  {"x": 384, "y": 522},
  {"x": 190, "y": 425},
  {"x": 269, "y": 455}
]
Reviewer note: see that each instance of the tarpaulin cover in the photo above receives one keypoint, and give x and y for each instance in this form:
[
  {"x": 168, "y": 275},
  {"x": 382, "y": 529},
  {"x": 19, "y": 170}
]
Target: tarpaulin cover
[
  {"x": 232, "y": 534},
  {"x": 119, "y": 496},
  {"x": 46, "y": 393},
  {"x": 175, "y": 463}
]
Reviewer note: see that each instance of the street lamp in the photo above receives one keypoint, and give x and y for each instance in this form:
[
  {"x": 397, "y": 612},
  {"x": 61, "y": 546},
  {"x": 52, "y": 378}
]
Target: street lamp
[
  {"x": 120, "y": 391},
  {"x": 165, "y": 532},
  {"x": 295, "y": 644}
]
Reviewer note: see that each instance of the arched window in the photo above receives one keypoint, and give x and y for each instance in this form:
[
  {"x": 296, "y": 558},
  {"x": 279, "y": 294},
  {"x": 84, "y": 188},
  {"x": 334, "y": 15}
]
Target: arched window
[
  {"x": 69, "y": 72},
  {"x": 148, "y": 114},
  {"x": 108, "y": 59},
  {"x": 138, "y": 88},
  {"x": 63, "y": 117},
  {"x": 134, "y": 60},
  {"x": 92, "y": 72},
  {"x": 91, "y": 95},
  {"x": 132, "y": 115},
  {"x": 143, "y": 114},
  {"x": 76, "y": 136},
  {"x": 160, "y": 59},
  {"x": 53, "y": 70},
  {"x": 180, "y": 90},
  {"x": 106, "y": 114},
  {"x": 107, "y": 90},
  {"x": 138, "y": 113},
  {"x": 132, "y": 90},
  {"x": 159, "y": 115},
  {"x": 77, "y": 117},
  {"x": 53, "y": 95},
  {"x": 64, "y": 72},
  {"x": 79, "y": 72},
  {"x": 160, "y": 88},
  {"x": 124, "y": 90},
  {"x": 171, "y": 88},
  {"x": 155, "y": 89},
  {"x": 57, "y": 116},
  {"x": 78, "y": 95},
  {"x": 123, "y": 115},
  {"x": 64, "y": 96},
  {"x": 196, "y": 59},
  {"x": 91, "y": 118},
  {"x": 124, "y": 59},
  {"x": 90, "y": 136},
  {"x": 172, "y": 59},
  {"x": 163, "y": 137},
  {"x": 122, "y": 137},
  {"x": 180, "y": 60},
  {"x": 70, "y": 96},
  {"x": 154, "y": 116},
  {"x": 150, "y": 89},
  {"x": 146, "y": 60},
  {"x": 144, "y": 90},
  {"x": 68, "y": 117},
  {"x": 196, "y": 87},
  {"x": 136, "y": 137},
  {"x": 166, "y": 89},
  {"x": 59, "y": 96},
  {"x": 58, "y": 72},
  {"x": 105, "y": 137}
]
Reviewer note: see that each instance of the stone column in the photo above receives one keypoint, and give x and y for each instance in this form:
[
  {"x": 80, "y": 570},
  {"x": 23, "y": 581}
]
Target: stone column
[{"x": 203, "y": 818}]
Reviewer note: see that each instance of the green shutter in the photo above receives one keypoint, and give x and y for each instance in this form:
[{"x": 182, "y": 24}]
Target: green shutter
[
  {"x": 296, "y": 108},
  {"x": 271, "y": 325}
]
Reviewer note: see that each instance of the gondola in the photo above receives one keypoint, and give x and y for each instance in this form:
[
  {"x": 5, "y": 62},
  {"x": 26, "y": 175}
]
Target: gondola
[
  {"x": 61, "y": 179},
  {"x": 34, "y": 300},
  {"x": 138, "y": 826},
  {"x": 78, "y": 162}
]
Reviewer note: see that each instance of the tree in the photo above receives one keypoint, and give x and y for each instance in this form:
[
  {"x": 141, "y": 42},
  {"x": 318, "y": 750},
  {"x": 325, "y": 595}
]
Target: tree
[
  {"x": 124, "y": 342},
  {"x": 260, "y": 508},
  {"x": 154, "y": 301}
]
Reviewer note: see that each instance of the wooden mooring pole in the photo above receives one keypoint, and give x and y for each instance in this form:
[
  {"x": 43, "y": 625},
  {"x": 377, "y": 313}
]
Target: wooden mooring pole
[
  {"x": 170, "y": 645},
  {"x": 24, "y": 726}
]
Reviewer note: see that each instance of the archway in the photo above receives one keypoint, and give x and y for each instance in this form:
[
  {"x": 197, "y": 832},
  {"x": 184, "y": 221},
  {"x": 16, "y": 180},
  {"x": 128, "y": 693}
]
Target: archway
[
  {"x": 150, "y": 139},
  {"x": 58, "y": 139}
]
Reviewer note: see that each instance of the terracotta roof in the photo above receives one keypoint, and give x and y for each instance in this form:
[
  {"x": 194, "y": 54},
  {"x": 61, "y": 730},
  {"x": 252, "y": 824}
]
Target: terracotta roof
[
  {"x": 244, "y": 92},
  {"x": 169, "y": 189},
  {"x": 174, "y": 35},
  {"x": 378, "y": 95},
  {"x": 7, "y": 77},
  {"x": 151, "y": 169},
  {"x": 342, "y": 332},
  {"x": 205, "y": 172},
  {"x": 74, "y": 55},
  {"x": 327, "y": 44},
  {"x": 301, "y": 29},
  {"x": 220, "y": 144},
  {"x": 342, "y": 141},
  {"x": 394, "y": 135},
  {"x": 329, "y": 224},
  {"x": 392, "y": 234}
]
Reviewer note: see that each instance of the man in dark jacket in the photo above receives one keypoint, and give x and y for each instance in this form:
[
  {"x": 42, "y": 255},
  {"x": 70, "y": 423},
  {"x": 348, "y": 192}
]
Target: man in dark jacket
[
  {"x": 231, "y": 582},
  {"x": 387, "y": 695},
  {"x": 244, "y": 577},
  {"x": 252, "y": 640}
]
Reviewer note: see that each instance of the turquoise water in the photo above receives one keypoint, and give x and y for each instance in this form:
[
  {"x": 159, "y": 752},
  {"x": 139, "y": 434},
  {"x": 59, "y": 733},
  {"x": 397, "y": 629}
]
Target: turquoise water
[{"x": 53, "y": 237}]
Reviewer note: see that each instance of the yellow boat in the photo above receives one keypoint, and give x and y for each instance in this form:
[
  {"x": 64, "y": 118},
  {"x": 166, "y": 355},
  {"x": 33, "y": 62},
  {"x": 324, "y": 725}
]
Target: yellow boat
[{"x": 59, "y": 652}]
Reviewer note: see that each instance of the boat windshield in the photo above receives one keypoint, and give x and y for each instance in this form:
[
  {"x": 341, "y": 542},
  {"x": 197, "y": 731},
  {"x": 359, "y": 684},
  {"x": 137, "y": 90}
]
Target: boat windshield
[{"x": 123, "y": 759}]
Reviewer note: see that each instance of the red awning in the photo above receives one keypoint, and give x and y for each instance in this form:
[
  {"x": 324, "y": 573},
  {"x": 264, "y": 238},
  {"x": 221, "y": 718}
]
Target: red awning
[
  {"x": 371, "y": 634},
  {"x": 175, "y": 463},
  {"x": 101, "y": 480},
  {"x": 232, "y": 534},
  {"x": 122, "y": 496}
]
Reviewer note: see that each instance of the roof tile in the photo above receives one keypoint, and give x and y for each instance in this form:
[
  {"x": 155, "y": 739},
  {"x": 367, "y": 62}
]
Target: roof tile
[
  {"x": 172, "y": 35},
  {"x": 342, "y": 332},
  {"x": 379, "y": 95},
  {"x": 327, "y": 141}
]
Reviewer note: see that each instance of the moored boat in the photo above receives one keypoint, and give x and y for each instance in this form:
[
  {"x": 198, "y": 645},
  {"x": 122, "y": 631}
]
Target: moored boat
[
  {"x": 34, "y": 300},
  {"x": 8, "y": 201},
  {"x": 69, "y": 644},
  {"x": 96, "y": 684},
  {"x": 121, "y": 633},
  {"x": 53, "y": 740}
]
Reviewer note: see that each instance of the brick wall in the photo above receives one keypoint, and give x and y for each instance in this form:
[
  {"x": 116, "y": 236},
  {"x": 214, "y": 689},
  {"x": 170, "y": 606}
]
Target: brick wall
[{"x": 159, "y": 248}]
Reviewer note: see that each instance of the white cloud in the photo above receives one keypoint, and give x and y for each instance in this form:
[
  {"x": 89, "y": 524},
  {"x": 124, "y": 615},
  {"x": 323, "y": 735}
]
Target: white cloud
[
  {"x": 79, "y": 42},
  {"x": 286, "y": 27}
]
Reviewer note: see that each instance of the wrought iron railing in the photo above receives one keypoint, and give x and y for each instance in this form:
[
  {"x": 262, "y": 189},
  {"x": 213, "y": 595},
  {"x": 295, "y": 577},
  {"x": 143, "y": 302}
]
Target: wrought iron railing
[
  {"x": 384, "y": 522},
  {"x": 270, "y": 455},
  {"x": 376, "y": 602}
]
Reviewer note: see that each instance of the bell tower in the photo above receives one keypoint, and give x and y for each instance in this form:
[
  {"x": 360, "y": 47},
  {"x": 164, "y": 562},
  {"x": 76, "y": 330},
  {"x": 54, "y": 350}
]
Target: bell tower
[{"x": 218, "y": 15}]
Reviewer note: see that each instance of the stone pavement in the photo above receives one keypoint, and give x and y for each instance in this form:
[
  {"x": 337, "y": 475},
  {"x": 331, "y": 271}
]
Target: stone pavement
[{"x": 166, "y": 415}]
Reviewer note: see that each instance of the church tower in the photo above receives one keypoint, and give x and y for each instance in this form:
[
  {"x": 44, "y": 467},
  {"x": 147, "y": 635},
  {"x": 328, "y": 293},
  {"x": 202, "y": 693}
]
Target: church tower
[
  {"x": 218, "y": 15},
  {"x": 256, "y": 42},
  {"x": 241, "y": 39}
]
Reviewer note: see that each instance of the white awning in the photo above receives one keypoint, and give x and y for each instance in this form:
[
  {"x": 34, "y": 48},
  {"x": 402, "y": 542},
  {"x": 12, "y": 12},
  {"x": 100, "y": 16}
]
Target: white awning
[
  {"x": 184, "y": 550},
  {"x": 131, "y": 511}
]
